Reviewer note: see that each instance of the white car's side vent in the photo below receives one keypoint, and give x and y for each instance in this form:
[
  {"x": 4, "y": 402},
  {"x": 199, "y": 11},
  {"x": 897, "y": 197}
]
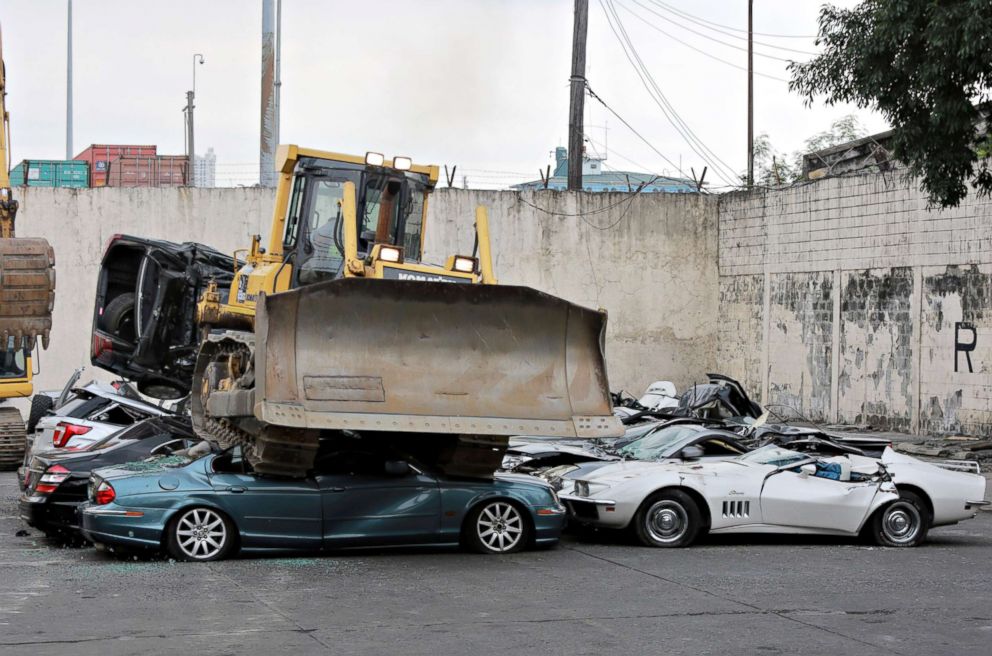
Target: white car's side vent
[{"x": 736, "y": 508}]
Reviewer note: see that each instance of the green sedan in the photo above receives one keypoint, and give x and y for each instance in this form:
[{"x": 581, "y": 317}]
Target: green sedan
[{"x": 214, "y": 507}]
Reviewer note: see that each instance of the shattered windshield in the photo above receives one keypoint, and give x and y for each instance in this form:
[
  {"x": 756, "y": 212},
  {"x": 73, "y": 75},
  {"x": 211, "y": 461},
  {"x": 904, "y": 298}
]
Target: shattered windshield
[
  {"x": 774, "y": 455},
  {"x": 658, "y": 444}
]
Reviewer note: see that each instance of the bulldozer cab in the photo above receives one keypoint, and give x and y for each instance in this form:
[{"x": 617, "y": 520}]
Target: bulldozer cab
[{"x": 387, "y": 221}]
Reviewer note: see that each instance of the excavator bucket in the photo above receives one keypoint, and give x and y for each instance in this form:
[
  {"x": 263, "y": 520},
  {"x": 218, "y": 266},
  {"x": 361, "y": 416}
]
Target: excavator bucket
[
  {"x": 431, "y": 357},
  {"x": 27, "y": 290}
]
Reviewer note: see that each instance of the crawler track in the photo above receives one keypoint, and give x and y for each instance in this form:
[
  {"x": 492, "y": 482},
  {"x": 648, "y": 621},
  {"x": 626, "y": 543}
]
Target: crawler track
[
  {"x": 270, "y": 449},
  {"x": 12, "y": 438}
]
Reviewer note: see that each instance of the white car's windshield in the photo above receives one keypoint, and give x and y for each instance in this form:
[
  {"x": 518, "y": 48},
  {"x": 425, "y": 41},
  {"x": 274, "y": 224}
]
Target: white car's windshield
[
  {"x": 659, "y": 443},
  {"x": 774, "y": 455}
]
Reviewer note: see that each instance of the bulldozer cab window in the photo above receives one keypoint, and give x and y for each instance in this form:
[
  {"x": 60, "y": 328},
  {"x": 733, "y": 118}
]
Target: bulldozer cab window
[
  {"x": 323, "y": 249},
  {"x": 293, "y": 217},
  {"x": 393, "y": 213},
  {"x": 12, "y": 360}
]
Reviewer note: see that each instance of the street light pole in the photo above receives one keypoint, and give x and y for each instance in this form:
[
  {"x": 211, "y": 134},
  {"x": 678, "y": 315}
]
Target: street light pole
[{"x": 190, "y": 147}]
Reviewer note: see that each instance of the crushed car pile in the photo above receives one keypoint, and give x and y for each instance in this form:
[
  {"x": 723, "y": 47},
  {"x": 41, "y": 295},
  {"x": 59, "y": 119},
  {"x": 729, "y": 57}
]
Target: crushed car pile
[{"x": 707, "y": 461}]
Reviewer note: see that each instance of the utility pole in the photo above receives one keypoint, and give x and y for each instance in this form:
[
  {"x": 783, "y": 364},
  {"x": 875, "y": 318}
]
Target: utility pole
[
  {"x": 267, "y": 145},
  {"x": 750, "y": 93},
  {"x": 278, "y": 82},
  {"x": 577, "y": 104},
  {"x": 190, "y": 150},
  {"x": 68, "y": 87}
]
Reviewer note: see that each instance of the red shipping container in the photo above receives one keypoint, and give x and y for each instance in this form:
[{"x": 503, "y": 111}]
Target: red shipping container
[
  {"x": 158, "y": 171},
  {"x": 100, "y": 155}
]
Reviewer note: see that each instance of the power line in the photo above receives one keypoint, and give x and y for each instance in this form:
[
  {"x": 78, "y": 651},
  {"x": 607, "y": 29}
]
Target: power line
[
  {"x": 698, "y": 19},
  {"x": 699, "y": 50},
  {"x": 694, "y": 142},
  {"x": 707, "y": 36},
  {"x": 720, "y": 168},
  {"x": 703, "y": 24},
  {"x": 631, "y": 128}
]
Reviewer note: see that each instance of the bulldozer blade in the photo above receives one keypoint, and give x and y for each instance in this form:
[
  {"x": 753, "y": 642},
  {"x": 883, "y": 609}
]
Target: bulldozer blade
[
  {"x": 431, "y": 357},
  {"x": 27, "y": 290}
]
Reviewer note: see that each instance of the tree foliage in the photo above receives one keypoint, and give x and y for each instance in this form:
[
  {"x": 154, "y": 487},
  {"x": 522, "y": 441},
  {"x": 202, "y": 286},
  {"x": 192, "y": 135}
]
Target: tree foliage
[{"x": 926, "y": 65}]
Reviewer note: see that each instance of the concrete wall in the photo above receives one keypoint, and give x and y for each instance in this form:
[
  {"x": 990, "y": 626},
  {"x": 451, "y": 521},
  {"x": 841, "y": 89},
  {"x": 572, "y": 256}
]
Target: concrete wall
[
  {"x": 869, "y": 303},
  {"x": 650, "y": 260}
]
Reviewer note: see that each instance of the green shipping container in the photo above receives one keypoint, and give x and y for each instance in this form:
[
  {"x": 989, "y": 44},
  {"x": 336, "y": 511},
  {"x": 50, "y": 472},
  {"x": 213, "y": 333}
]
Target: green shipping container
[{"x": 51, "y": 173}]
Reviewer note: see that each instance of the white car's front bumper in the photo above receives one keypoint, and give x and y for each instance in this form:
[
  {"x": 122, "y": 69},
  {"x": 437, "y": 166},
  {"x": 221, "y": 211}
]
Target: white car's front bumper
[{"x": 595, "y": 512}]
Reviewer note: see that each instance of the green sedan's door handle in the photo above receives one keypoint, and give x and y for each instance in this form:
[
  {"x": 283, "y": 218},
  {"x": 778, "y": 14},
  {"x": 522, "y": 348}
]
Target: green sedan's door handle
[
  {"x": 236, "y": 489},
  {"x": 335, "y": 489}
]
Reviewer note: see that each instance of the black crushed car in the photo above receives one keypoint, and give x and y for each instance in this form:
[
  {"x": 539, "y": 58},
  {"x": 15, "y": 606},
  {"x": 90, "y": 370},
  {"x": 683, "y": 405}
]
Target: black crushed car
[{"x": 144, "y": 323}]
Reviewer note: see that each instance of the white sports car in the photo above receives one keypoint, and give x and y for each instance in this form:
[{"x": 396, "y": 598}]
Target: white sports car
[{"x": 895, "y": 499}]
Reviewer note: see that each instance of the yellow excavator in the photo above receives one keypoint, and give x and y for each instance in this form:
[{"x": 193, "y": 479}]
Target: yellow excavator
[
  {"x": 339, "y": 324},
  {"x": 27, "y": 295}
]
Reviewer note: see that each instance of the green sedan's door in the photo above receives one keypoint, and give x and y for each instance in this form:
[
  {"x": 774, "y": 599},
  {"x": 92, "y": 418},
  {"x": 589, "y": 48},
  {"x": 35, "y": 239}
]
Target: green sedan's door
[
  {"x": 370, "y": 499},
  {"x": 274, "y": 513}
]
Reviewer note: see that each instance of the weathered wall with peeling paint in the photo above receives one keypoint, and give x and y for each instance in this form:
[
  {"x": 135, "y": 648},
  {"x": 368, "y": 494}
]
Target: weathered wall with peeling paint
[
  {"x": 877, "y": 310},
  {"x": 650, "y": 260},
  {"x": 800, "y": 327}
]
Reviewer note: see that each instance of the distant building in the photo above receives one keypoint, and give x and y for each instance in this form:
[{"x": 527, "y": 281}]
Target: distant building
[
  {"x": 596, "y": 178},
  {"x": 867, "y": 153},
  {"x": 205, "y": 170}
]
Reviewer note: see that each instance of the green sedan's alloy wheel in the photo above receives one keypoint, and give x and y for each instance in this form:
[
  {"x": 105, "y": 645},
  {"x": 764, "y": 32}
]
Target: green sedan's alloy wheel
[
  {"x": 902, "y": 523},
  {"x": 668, "y": 519},
  {"x": 200, "y": 534},
  {"x": 497, "y": 527}
]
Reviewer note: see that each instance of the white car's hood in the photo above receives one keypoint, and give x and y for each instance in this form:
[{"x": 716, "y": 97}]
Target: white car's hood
[{"x": 620, "y": 472}]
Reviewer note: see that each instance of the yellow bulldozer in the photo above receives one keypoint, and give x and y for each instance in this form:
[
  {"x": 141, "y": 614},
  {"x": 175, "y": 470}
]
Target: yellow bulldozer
[
  {"x": 339, "y": 324},
  {"x": 27, "y": 295}
]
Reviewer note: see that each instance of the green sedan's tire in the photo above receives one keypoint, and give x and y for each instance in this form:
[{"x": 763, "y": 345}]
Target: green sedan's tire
[
  {"x": 669, "y": 518},
  {"x": 496, "y": 527},
  {"x": 902, "y": 523},
  {"x": 200, "y": 534}
]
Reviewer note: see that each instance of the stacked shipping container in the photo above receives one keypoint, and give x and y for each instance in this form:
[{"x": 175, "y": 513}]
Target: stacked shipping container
[
  {"x": 106, "y": 166},
  {"x": 100, "y": 157},
  {"x": 50, "y": 173},
  {"x": 157, "y": 171}
]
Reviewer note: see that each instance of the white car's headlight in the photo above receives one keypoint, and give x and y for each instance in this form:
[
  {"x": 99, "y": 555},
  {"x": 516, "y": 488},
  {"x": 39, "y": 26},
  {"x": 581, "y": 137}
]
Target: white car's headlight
[{"x": 511, "y": 462}]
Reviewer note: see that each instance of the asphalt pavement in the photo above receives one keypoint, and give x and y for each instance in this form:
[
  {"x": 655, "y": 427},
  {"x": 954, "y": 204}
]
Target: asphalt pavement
[{"x": 597, "y": 594}]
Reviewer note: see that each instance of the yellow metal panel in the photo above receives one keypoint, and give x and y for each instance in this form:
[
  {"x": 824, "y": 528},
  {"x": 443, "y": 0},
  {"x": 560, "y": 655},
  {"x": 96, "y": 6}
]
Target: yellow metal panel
[
  {"x": 352, "y": 265},
  {"x": 485, "y": 251},
  {"x": 283, "y": 189}
]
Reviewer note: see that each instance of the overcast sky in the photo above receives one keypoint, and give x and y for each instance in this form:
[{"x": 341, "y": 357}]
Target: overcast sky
[{"x": 478, "y": 83}]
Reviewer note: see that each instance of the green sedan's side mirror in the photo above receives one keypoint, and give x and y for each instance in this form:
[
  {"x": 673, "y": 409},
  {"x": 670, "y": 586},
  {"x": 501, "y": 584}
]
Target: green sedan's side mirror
[{"x": 397, "y": 467}]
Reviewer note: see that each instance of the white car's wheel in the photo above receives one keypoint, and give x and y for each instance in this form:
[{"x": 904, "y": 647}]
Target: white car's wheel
[
  {"x": 497, "y": 527},
  {"x": 200, "y": 534},
  {"x": 902, "y": 523},
  {"x": 668, "y": 519}
]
